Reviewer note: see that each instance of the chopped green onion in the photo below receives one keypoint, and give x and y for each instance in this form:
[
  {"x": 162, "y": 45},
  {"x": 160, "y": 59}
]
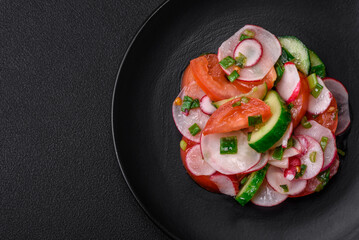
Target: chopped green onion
[
  {"x": 247, "y": 34},
  {"x": 227, "y": 62},
  {"x": 236, "y": 104},
  {"x": 323, "y": 177},
  {"x": 188, "y": 103},
  {"x": 255, "y": 89},
  {"x": 243, "y": 37},
  {"x": 313, "y": 156},
  {"x": 244, "y": 180},
  {"x": 312, "y": 81},
  {"x": 249, "y": 136},
  {"x": 305, "y": 122},
  {"x": 195, "y": 103},
  {"x": 278, "y": 153},
  {"x": 285, "y": 187},
  {"x": 319, "y": 70},
  {"x": 241, "y": 60},
  {"x": 323, "y": 142},
  {"x": 233, "y": 76},
  {"x": 183, "y": 145},
  {"x": 194, "y": 129},
  {"x": 315, "y": 116},
  {"x": 290, "y": 142},
  {"x": 244, "y": 99},
  {"x": 340, "y": 152},
  {"x": 228, "y": 145},
  {"x": 279, "y": 70},
  {"x": 316, "y": 90},
  {"x": 335, "y": 114},
  {"x": 253, "y": 120},
  {"x": 290, "y": 106},
  {"x": 303, "y": 167}
]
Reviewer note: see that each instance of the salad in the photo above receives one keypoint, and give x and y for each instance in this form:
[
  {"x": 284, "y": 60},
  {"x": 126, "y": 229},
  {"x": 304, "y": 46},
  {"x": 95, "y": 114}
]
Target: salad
[{"x": 259, "y": 119}]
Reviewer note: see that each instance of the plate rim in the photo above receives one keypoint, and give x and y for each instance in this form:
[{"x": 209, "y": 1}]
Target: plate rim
[{"x": 139, "y": 202}]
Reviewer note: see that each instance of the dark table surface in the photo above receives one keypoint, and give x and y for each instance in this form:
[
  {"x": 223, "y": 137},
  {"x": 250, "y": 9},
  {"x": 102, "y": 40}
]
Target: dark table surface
[{"x": 59, "y": 176}]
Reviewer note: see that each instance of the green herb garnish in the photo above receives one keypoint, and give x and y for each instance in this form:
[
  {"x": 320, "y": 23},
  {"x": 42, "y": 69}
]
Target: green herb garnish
[
  {"x": 340, "y": 152},
  {"x": 233, "y": 76},
  {"x": 323, "y": 177},
  {"x": 285, "y": 187},
  {"x": 247, "y": 34},
  {"x": 305, "y": 122},
  {"x": 290, "y": 106},
  {"x": 244, "y": 180},
  {"x": 312, "y": 80},
  {"x": 253, "y": 120},
  {"x": 194, "y": 129},
  {"x": 278, "y": 153},
  {"x": 188, "y": 103},
  {"x": 228, "y": 145},
  {"x": 313, "y": 157},
  {"x": 323, "y": 142},
  {"x": 183, "y": 145},
  {"x": 316, "y": 90},
  {"x": 238, "y": 103},
  {"x": 249, "y": 136},
  {"x": 299, "y": 174},
  {"x": 241, "y": 60},
  {"x": 227, "y": 62},
  {"x": 244, "y": 99}
]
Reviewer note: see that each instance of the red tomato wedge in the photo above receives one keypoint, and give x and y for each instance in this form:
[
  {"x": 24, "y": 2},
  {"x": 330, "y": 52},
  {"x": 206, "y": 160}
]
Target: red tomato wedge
[
  {"x": 188, "y": 82},
  {"x": 300, "y": 104},
  {"x": 213, "y": 81},
  {"x": 228, "y": 118},
  {"x": 329, "y": 118}
]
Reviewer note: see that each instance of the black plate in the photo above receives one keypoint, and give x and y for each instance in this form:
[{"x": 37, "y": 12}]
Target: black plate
[{"x": 147, "y": 140}]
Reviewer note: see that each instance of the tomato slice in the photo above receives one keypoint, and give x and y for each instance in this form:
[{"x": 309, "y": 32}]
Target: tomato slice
[
  {"x": 300, "y": 104},
  {"x": 188, "y": 82},
  {"x": 228, "y": 118},
  {"x": 329, "y": 118},
  {"x": 213, "y": 81}
]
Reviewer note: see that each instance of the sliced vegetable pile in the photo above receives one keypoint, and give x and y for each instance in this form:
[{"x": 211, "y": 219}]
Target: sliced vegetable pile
[{"x": 259, "y": 119}]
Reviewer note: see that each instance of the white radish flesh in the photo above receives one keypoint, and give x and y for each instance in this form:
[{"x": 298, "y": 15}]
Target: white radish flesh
[
  {"x": 195, "y": 163},
  {"x": 224, "y": 183},
  {"x": 313, "y": 158},
  {"x": 289, "y": 85},
  {"x": 284, "y": 163},
  {"x": 261, "y": 164},
  {"x": 266, "y": 196},
  {"x": 206, "y": 105},
  {"x": 243, "y": 160},
  {"x": 251, "y": 49},
  {"x": 321, "y": 103},
  {"x": 340, "y": 94},
  {"x": 317, "y": 131},
  {"x": 184, "y": 122},
  {"x": 276, "y": 179},
  {"x": 271, "y": 52},
  {"x": 301, "y": 147}
]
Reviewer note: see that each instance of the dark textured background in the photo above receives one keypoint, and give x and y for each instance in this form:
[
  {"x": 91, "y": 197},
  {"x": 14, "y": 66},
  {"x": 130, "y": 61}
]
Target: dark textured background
[{"x": 59, "y": 177}]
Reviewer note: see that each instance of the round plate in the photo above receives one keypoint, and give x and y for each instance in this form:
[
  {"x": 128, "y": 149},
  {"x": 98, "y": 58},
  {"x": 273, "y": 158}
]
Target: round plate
[{"x": 147, "y": 141}]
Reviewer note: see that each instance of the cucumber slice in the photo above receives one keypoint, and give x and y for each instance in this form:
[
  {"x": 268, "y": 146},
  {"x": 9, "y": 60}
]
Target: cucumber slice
[
  {"x": 295, "y": 47},
  {"x": 317, "y": 66},
  {"x": 271, "y": 131},
  {"x": 252, "y": 185},
  {"x": 256, "y": 92}
]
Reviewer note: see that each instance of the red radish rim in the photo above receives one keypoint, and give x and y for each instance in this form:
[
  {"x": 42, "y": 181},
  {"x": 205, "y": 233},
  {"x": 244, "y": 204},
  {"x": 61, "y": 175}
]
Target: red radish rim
[
  {"x": 259, "y": 165},
  {"x": 260, "y": 47},
  {"x": 345, "y": 128},
  {"x": 189, "y": 166},
  {"x": 289, "y": 85}
]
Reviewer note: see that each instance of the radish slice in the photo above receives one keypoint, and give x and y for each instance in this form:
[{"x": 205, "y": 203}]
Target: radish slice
[
  {"x": 261, "y": 164},
  {"x": 275, "y": 178},
  {"x": 340, "y": 94},
  {"x": 289, "y": 85},
  {"x": 251, "y": 49},
  {"x": 271, "y": 52},
  {"x": 225, "y": 184},
  {"x": 290, "y": 152},
  {"x": 317, "y": 131},
  {"x": 267, "y": 197},
  {"x": 184, "y": 122},
  {"x": 245, "y": 158},
  {"x": 206, "y": 105},
  {"x": 284, "y": 163},
  {"x": 284, "y": 140},
  {"x": 195, "y": 163},
  {"x": 313, "y": 168},
  {"x": 321, "y": 103},
  {"x": 300, "y": 146}
]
